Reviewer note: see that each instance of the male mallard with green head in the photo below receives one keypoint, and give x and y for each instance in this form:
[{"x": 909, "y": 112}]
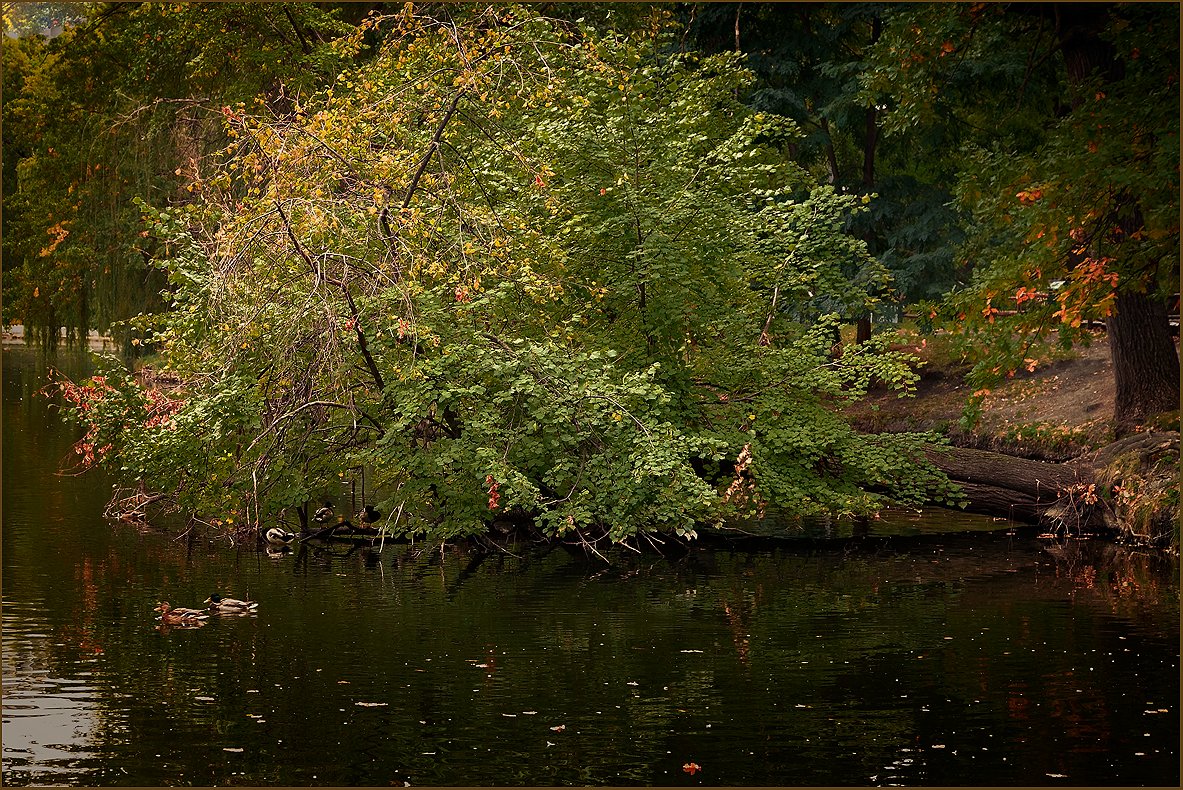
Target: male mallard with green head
[
  {"x": 278, "y": 536},
  {"x": 220, "y": 605},
  {"x": 325, "y": 514}
]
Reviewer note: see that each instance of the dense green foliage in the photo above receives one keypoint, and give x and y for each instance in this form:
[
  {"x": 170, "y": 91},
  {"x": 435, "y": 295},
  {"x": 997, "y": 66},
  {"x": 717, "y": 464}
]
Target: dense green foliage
[
  {"x": 511, "y": 265},
  {"x": 814, "y": 62}
]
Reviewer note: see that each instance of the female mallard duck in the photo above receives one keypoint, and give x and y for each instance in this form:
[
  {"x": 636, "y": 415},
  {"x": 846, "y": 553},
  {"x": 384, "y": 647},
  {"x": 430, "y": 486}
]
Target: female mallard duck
[
  {"x": 278, "y": 536},
  {"x": 219, "y": 605},
  {"x": 369, "y": 515},
  {"x": 180, "y": 615},
  {"x": 325, "y": 514}
]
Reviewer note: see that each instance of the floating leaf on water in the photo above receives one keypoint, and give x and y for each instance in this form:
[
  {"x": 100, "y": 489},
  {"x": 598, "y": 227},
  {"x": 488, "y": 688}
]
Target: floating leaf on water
[
  {"x": 342, "y": 682},
  {"x": 529, "y": 712},
  {"x": 548, "y": 743},
  {"x": 231, "y": 749},
  {"x": 691, "y": 651},
  {"x": 559, "y": 728},
  {"x": 204, "y": 699},
  {"x": 1058, "y": 776},
  {"x": 632, "y": 683},
  {"x": 510, "y": 715},
  {"x": 691, "y": 768},
  {"x": 372, "y": 704},
  {"x": 481, "y": 666}
]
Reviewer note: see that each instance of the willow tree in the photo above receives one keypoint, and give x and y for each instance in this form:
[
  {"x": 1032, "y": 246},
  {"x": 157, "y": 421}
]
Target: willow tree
[
  {"x": 512, "y": 267},
  {"x": 123, "y": 103}
]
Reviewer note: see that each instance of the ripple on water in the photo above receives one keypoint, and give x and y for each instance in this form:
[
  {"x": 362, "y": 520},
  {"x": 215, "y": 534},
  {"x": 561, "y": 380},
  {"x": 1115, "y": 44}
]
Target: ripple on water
[{"x": 48, "y": 720}]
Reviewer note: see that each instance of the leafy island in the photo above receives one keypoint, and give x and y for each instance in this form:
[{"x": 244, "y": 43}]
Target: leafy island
[{"x": 604, "y": 273}]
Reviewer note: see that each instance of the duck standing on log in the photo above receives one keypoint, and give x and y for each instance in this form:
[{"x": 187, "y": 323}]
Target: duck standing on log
[
  {"x": 325, "y": 514},
  {"x": 368, "y": 516}
]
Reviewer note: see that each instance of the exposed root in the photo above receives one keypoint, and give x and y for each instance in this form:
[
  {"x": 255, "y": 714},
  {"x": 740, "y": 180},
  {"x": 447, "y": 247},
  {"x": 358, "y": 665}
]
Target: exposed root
[{"x": 130, "y": 505}]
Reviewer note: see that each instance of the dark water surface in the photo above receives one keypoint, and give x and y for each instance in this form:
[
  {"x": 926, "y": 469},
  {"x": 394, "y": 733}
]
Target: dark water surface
[{"x": 980, "y": 660}]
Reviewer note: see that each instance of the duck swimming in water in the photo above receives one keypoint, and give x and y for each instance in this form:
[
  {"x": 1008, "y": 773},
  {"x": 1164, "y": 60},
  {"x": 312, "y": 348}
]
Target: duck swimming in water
[
  {"x": 219, "y": 605},
  {"x": 180, "y": 615}
]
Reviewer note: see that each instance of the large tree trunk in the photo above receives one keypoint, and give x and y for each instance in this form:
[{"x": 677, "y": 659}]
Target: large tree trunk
[
  {"x": 1145, "y": 362},
  {"x": 863, "y": 329}
]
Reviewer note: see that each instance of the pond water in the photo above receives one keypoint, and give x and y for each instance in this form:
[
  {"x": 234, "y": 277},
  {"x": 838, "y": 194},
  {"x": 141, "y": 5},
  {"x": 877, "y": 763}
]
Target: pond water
[{"x": 986, "y": 659}]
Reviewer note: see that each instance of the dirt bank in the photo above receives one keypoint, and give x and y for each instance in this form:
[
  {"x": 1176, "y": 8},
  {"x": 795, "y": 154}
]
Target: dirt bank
[{"x": 1061, "y": 412}]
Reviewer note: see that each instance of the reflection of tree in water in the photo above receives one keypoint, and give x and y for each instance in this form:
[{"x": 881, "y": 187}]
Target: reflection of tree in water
[
  {"x": 1125, "y": 579},
  {"x": 81, "y": 632},
  {"x": 740, "y": 604}
]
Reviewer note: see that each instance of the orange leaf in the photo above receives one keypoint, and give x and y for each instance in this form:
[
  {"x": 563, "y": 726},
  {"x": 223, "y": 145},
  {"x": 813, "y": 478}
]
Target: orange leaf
[{"x": 692, "y": 768}]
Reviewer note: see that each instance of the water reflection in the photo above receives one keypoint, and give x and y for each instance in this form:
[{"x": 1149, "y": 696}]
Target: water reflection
[
  {"x": 994, "y": 660},
  {"x": 48, "y": 720}
]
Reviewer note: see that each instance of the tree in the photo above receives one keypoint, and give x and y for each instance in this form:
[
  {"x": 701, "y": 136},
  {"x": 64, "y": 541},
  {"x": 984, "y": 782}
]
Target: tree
[
  {"x": 512, "y": 266},
  {"x": 1071, "y": 176},
  {"x": 125, "y": 103},
  {"x": 810, "y": 60}
]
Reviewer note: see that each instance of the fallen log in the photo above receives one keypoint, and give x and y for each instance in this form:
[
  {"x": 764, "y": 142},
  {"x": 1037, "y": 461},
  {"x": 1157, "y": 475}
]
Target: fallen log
[
  {"x": 997, "y": 501},
  {"x": 1040, "y": 481},
  {"x": 1122, "y": 486},
  {"x": 1034, "y": 492}
]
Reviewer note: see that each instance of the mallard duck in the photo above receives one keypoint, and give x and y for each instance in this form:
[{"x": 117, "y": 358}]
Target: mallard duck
[
  {"x": 278, "y": 536},
  {"x": 325, "y": 514},
  {"x": 369, "y": 515},
  {"x": 180, "y": 615},
  {"x": 219, "y": 605}
]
